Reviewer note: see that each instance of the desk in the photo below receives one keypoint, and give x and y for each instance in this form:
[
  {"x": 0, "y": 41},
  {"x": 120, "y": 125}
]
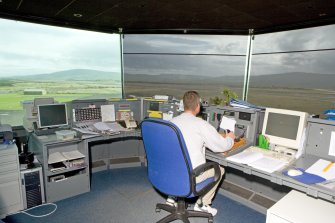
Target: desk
[
  {"x": 75, "y": 179},
  {"x": 121, "y": 150},
  {"x": 269, "y": 185},
  {"x": 297, "y": 207}
]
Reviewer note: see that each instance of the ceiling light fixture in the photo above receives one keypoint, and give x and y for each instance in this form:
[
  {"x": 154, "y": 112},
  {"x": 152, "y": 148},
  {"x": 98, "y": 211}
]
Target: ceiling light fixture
[
  {"x": 322, "y": 14},
  {"x": 78, "y": 15}
]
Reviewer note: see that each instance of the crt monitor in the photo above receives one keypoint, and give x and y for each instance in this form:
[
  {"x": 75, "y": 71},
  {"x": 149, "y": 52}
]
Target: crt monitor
[
  {"x": 52, "y": 115},
  {"x": 154, "y": 106},
  {"x": 284, "y": 127}
]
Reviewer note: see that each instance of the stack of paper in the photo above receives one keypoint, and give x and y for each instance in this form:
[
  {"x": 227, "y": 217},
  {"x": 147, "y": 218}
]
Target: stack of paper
[
  {"x": 228, "y": 124},
  {"x": 245, "y": 157},
  {"x": 57, "y": 157},
  {"x": 258, "y": 161},
  {"x": 323, "y": 168}
]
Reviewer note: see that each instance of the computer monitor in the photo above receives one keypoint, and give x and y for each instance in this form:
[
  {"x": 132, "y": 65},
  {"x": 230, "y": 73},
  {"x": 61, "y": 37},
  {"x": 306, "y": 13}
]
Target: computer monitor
[
  {"x": 154, "y": 106},
  {"x": 284, "y": 127},
  {"x": 52, "y": 115}
]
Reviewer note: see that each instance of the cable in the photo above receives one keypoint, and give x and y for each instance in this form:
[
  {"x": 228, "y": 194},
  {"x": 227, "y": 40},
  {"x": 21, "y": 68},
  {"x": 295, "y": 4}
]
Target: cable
[{"x": 39, "y": 216}]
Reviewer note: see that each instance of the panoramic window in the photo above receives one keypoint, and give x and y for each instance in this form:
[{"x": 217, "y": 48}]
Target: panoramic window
[
  {"x": 172, "y": 64},
  {"x": 294, "y": 70},
  {"x": 46, "y": 61}
]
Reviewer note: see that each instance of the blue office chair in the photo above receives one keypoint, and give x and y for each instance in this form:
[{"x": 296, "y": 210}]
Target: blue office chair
[{"x": 170, "y": 170}]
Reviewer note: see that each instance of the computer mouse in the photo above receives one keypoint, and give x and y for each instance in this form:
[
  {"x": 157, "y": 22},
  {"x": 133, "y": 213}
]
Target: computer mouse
[{"x": 294, "y": 172}]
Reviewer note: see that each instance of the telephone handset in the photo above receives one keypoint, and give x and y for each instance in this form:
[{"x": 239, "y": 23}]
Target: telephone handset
[{"x": 130, "y": 123}]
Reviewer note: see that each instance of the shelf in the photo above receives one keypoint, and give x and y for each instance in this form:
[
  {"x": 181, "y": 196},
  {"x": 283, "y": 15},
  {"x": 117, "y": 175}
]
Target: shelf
[{"x": 68, "y": 169}]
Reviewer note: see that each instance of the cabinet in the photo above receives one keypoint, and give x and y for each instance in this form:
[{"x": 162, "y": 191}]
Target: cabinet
[
  {"x": 297, "y": 207},
  {"x": 65, "y": 166},
  {"x": 10, "y": 184}
]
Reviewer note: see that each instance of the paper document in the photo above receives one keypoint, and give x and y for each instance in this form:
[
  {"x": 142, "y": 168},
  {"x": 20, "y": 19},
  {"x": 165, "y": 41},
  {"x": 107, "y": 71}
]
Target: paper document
[
  {"x": 245, "y": 157},
  {"x": 55, "y": 158},
  {"x": 258, "y": 161},
  {"x": 101, "y": 126},
  {"x": 228, "y": 124},
  {"x": 71, "y": 155},
  {"x": 167, "y": 116},
  {"x": 107, "y": 113},
  {"x": 86, "y": 131},
  {"x": 268, "y": 164},
  {"x": 323, "y": 168},
  {"x": 108, "y": 126}
]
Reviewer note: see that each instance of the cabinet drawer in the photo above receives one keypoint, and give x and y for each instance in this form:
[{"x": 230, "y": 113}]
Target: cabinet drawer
[
  {"x": 10, "y": 194},
  {"x": 68, "y": 187},
  {"x": 8, "y": 177},
  {"x": 8, "y": 158},
  {"x": 10, "y": 150},
  {"x": 9, "y": 167}
]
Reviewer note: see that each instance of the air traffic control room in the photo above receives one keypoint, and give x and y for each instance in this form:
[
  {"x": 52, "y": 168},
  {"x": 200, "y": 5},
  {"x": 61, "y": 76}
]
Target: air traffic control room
[{"x": 167, "y": 111}]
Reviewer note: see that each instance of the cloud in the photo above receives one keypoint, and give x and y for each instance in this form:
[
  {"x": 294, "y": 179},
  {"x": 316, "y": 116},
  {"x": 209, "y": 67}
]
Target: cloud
[{"x": 28, "y": 48}]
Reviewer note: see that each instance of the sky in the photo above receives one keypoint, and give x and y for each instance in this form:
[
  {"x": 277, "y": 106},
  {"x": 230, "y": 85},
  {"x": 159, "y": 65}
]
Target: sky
[
  {"x": 27, "y": 48},
  {"x": 305, "y": 39}
]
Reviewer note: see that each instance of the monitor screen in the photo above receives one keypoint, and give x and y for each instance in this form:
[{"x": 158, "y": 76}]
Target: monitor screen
[
  {"x": 284, "y": 127},
  {"x": 52, "y": 115},
  {"x": 153, "y": 106}
]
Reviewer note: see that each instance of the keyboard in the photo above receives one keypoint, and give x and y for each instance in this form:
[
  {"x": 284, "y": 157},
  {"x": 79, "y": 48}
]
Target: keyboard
[
  {"x": 42, "y": 132},
  {"x": 279, "y": 155}
]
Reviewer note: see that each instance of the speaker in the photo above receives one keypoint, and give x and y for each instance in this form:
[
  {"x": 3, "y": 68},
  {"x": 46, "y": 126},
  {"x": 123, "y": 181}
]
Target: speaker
[{"x": 32, "y": 187}]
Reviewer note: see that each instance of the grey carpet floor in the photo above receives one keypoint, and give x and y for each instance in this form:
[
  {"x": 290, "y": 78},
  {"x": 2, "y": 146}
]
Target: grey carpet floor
[{"x": 125, "y": 196}]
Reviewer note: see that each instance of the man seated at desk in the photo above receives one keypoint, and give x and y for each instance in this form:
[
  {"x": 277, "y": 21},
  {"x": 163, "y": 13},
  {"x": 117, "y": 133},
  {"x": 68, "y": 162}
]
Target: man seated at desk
[{"x": 199, "y": 134}]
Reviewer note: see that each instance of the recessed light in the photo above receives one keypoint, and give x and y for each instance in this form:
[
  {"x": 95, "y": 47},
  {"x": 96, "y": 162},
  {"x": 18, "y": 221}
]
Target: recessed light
[{"x": 78, "y": 15}]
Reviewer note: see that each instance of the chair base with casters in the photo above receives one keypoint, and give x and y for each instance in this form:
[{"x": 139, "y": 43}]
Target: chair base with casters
[{"x": 180, "y": 212}]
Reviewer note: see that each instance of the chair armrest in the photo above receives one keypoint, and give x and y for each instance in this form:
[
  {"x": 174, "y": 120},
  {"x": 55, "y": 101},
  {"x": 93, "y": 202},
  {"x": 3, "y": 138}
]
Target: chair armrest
[{"x": 199, "y": 170}]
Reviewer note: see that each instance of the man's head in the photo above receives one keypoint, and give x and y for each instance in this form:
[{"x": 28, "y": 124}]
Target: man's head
[{"x": 191, "y": 101}]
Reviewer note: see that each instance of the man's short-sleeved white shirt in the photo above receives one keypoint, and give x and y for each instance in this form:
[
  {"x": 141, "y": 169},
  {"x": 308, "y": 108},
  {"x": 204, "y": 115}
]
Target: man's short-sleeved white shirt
[{"x": 199, "y": 134}]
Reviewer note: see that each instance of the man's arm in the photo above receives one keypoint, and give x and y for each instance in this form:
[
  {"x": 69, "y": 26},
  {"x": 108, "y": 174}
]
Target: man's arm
[{"x": 215, "y": 141}]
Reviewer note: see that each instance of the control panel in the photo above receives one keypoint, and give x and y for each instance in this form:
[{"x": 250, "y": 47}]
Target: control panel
[
  {"x": 248, "y": 125},
  {"x": 127, "y": 109},
  {"x": 87, "y": 110},
  {"x": 154, "y": 108}
]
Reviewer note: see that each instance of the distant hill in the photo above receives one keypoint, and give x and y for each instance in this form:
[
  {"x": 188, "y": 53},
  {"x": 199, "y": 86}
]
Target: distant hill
[
  {"x": 284, "y": 80},
  {"x": 295, "y": 80},
  {"x": 74, "y": 74}
]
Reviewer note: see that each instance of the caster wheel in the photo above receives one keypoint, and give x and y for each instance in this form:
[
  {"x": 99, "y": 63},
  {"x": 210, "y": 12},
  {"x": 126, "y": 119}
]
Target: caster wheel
[
  {"x": 158, "y": 210},
  {"x": 210, "y": 220}
]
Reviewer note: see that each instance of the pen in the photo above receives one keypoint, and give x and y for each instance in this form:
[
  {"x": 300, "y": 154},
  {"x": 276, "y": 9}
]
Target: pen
[{"x": 327, "y": 167}]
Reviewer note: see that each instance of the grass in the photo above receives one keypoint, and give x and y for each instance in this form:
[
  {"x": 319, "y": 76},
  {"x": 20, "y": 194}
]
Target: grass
[
  {"x": 13, "y": 101},
  {"x": 11, "y": 96}
]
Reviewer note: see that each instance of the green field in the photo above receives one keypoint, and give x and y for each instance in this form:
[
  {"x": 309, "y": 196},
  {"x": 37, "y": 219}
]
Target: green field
[
  {"x": 12, "y": 96},
  {"x": 313, "y": 101}
]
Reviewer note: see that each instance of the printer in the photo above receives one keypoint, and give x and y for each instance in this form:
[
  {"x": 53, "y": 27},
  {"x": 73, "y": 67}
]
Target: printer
[{"x": 6, "y": 134}]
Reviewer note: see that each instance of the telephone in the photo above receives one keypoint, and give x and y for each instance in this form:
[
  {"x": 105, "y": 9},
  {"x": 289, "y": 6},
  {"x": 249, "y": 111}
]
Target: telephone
[{"x": 130, "y": 123}]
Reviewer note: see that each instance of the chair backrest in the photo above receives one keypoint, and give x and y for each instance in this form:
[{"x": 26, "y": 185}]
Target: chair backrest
[{"x": 169, "y": 166}]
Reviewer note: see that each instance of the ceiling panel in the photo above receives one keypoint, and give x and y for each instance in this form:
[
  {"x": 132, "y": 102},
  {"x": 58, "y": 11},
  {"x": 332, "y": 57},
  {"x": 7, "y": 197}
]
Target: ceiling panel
[{"x": 166, "y": 16}]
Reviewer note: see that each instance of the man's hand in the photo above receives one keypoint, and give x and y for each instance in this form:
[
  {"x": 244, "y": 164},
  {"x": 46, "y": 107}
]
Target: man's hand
[
  {"x": 228, "y": 134},
  {"x": 231, "y": 135}
]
